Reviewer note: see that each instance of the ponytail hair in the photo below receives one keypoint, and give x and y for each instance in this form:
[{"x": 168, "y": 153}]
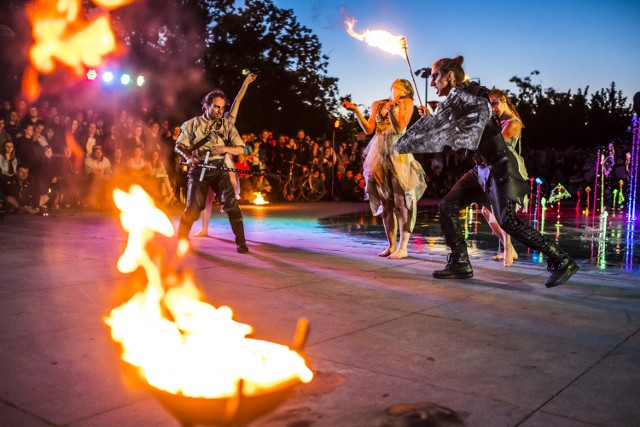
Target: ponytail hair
[
  {"x": 502, "y": 96},
  {"x": 448, "y": 64}
]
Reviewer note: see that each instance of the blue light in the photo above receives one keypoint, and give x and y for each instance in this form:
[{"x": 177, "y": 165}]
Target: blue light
[
  {"x": 538, "y": 181},
  {"x": 125, "y": 79},
  {"x": 107, "y": 77}
]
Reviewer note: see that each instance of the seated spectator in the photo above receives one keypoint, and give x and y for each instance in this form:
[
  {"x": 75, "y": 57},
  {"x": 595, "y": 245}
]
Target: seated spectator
[
  {"x": 160, "y": 187},
  {"x": 348, "y": 186},
  {"x": 90, "y": 139},
  {"x": 49, "y": 177},
  {"x": 8, "y": 159},
  {"x": 69, "y": 188},
  {"x": 20, "y": 193},
  {"x": 4, "y": 135},
  {"x": 97, "y": 169},
  {"x": 137, "y": 167}
]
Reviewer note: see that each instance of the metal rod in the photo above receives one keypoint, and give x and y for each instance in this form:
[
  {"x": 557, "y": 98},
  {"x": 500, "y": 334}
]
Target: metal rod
[{"x": 406, "y": 55}]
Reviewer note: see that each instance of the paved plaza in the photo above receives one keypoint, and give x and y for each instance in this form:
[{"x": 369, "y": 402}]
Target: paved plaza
[{"x": 388, "y": 344}]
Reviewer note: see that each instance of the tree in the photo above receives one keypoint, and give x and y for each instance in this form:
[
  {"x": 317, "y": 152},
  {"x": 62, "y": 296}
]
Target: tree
[
  {"x": 15, "y": 37},
  {"x": 166, "y": 42},
  {"x": 562, "y": 119},
  {"x": 292, "y": 90}
]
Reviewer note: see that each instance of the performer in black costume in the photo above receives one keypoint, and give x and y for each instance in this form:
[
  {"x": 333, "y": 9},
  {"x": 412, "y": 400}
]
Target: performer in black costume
[
  {"x": 214, "y": 134},
  {"x": 464, "y": 120}
]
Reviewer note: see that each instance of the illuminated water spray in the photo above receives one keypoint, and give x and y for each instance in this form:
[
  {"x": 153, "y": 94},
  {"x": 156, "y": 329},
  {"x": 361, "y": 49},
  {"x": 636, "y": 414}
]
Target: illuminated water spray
[{"x": 633, "y": 169}]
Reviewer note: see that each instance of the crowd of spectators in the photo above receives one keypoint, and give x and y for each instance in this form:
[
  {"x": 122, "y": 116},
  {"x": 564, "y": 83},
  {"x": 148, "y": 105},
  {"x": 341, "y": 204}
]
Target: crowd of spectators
[{"x": 52, "y": 159}]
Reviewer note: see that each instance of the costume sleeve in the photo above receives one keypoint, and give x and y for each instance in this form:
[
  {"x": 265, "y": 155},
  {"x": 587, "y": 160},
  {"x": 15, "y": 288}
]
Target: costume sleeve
[
  {"x": 234, "y": 138},
  {"x": 185, "y": 139}
]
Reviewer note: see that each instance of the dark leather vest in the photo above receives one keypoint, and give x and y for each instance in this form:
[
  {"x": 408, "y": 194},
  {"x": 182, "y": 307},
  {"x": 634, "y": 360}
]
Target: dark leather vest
[{"x": 497, "y": 167}]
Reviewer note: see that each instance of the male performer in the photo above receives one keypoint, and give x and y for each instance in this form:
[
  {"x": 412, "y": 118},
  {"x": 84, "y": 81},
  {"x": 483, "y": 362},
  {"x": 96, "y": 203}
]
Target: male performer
[
  {"x": 210, "y": 133},
  {"x": 463, "y": 120}
]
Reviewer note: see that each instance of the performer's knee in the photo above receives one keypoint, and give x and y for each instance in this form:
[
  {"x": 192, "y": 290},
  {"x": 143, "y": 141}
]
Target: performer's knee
[{"x": 446, "y": 208}]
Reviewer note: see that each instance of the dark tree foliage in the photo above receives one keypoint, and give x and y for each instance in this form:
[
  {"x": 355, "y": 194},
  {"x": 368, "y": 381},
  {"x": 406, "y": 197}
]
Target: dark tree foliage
[
  {"x": 15, "y": 37},
  {"x": 562, "y": 119},
  {"x": 292, "y": 90},
  {"x": 165, "y": 41}
]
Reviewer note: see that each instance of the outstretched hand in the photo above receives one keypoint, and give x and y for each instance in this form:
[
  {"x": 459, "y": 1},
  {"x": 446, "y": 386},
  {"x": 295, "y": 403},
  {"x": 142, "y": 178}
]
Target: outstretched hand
[
  {"x": 349, "y": 105},
  {"x": 250, "y": 78}
]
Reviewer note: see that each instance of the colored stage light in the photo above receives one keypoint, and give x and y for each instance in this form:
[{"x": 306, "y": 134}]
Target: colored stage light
[
  {"x": 107, "y": 77},
  {"x": 92, "y": 74},
  {"x": 140, "y": 80},
  {"x": 125, "y": 79}
]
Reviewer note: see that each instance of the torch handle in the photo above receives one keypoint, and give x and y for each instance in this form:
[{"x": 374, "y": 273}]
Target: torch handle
[{"x": 406, "y": 55}]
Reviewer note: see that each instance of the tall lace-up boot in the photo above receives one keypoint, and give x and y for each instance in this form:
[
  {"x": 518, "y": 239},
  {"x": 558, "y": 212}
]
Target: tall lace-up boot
[
  {"x": 237, "y": 226},
  {"x": 458, "y": 267},
  {"x": 561, "y": 266}
]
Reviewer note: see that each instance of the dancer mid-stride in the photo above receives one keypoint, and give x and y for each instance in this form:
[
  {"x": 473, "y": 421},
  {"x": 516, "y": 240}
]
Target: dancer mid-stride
[
  {"x": 464, "y": 120},
  {"x": 395, "y": 182}
]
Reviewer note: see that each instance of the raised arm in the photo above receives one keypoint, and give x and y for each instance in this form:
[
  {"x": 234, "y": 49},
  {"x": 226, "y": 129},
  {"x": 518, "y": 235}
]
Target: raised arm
[{"x": 233, "y": 112}]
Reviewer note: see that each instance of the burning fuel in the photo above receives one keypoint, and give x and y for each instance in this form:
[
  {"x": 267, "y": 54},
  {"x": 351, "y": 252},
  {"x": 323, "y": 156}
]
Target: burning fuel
[{"x": 181, "y": 344}]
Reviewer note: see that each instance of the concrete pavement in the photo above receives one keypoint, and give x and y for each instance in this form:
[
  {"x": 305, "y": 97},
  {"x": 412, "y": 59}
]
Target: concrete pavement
[{"x": 389, "y": 345}]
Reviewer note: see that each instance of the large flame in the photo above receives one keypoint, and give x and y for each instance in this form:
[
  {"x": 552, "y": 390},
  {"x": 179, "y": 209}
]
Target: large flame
[
  {"x": 62, "y": 35},
  {"x": 378, "y": 38},
  {"x": 182, "y": 344}
]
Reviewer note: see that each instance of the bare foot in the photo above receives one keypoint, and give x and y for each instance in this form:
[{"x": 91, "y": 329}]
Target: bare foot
[
  {"x": 498, "y": 257},
  {"x": 201, "y": 233},
  {"x": 509, "y": 256},
  {"x": 386, "y": 252},
  {"x": 399, "y": 254}
]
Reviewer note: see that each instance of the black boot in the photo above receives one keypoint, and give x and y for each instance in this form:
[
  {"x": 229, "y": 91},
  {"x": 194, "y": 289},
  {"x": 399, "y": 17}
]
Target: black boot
[
  {"x": 561, "y": 266},
  {"x": 237, "y": 226},
  {"x": 458, "y": 267}
]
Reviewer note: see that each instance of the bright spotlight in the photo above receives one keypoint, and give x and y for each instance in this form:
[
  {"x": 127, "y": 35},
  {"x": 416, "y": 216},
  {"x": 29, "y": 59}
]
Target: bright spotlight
[
  {"x": 107, "y": 77},
  {"x": 140, "y": 80},
  {"x": 125, "y": 79},
  {"x": 92, "y": 74}
]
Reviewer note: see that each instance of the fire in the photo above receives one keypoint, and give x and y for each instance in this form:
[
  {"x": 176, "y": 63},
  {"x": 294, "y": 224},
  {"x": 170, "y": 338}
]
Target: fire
[
  {"x": 259, "y": 200},
  {"x": 378, "y": 38},
  {"x": 182, "y": 344},
  {"x": 62, "y": 35}
]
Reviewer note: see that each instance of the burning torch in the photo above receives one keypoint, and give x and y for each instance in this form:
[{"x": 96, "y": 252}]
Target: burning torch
[{"x": 390, "y": 43}]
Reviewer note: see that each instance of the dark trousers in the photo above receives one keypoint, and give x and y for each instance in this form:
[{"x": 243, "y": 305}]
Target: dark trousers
[
  {"x": 219, "y": 182},
  {"x": 469, "y": 190}
]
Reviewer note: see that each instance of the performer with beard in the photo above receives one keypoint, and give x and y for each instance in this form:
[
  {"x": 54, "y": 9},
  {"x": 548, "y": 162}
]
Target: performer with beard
[
  {"x": 216, "y": 135},
  {"x": 464, "y": 120}
]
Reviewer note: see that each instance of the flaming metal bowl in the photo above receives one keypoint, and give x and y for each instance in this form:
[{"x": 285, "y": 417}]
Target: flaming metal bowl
[
  {"x": 223, "y": 411},
  {"x": 234, "y": 410}
]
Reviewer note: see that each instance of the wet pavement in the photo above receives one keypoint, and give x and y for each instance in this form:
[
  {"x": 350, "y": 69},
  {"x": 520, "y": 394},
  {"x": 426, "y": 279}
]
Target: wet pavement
[{"x": 581, "y": 235}]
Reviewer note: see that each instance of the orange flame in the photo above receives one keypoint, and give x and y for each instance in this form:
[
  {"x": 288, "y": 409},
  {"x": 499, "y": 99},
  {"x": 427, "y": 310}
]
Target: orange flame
[
  {"x": 197, "y": 350},
  {"x": 259, "y": 200},
  {"x": 62, "y": 36},
  {"x": 378, "y": 38}
]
